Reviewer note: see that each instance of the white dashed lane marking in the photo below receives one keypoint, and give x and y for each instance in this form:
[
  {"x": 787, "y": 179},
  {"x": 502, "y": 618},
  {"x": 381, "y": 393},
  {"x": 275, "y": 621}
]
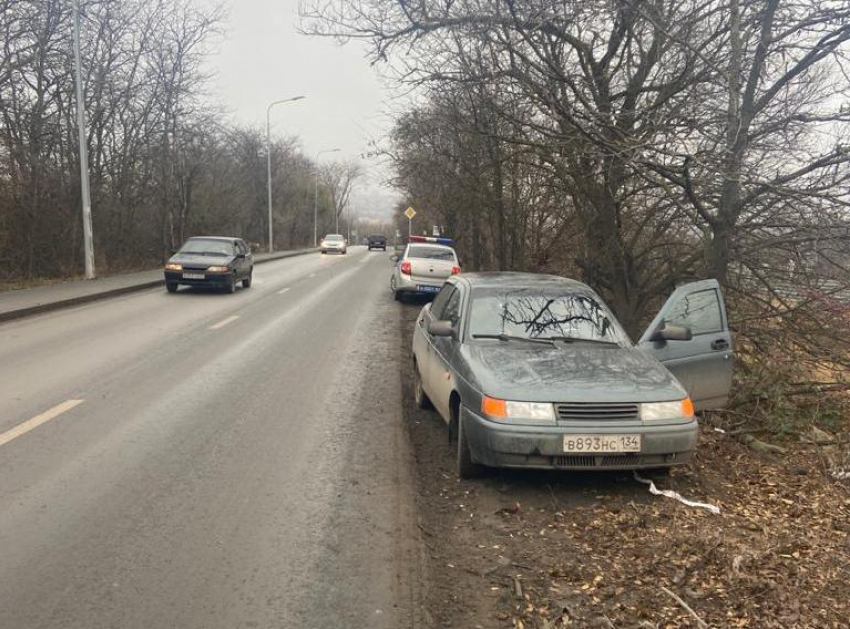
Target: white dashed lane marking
[
  {"x": 38, "y": 420},
  {"x": 221, "y": 324}
]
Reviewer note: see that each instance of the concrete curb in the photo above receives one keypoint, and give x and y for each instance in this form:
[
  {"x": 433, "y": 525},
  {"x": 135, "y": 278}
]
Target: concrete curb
[{"x": 115, "y": 292}]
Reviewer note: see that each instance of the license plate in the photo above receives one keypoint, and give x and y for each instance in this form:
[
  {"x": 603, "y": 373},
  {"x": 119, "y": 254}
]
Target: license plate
[
  {"x": 601, "y": 444},
  {"x": 427, "y": 289},
  {"x": 194, "y": 276}
]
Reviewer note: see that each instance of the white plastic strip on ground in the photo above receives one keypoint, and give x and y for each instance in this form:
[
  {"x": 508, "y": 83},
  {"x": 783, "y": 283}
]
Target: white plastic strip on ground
[{"x": 675, "y": 496}]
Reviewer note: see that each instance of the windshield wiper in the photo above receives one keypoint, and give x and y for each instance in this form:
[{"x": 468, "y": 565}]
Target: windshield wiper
[
  {"x": 578, "y": 339},
  {"x": 509, "y": 337}
]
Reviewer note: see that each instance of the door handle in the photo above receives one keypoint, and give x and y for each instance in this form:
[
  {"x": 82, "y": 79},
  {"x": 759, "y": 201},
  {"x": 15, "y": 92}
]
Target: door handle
[{"x": 720, "y": 344}]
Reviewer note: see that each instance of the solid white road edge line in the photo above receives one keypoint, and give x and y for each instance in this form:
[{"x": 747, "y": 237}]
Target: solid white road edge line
[
  {"x": 38, "y": 420},
  {"x": 283, "y": 290},
  {"x": 221, "y": 324}
]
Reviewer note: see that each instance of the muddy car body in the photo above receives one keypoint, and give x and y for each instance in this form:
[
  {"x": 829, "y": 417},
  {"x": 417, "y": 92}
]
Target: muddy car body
[{"x": 576, "y": 393}]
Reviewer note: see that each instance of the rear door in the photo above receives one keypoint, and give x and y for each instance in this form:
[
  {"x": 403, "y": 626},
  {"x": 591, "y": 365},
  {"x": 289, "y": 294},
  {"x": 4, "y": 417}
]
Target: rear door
[
  {"x": 703, "y": 365},
  {"x": 239, "y": 263},
  {"x": 441, "y": 376}
]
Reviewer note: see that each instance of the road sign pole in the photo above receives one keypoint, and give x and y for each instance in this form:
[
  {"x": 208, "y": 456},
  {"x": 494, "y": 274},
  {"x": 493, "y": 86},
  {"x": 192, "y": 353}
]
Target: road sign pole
[{"x": 409, "y": 213}]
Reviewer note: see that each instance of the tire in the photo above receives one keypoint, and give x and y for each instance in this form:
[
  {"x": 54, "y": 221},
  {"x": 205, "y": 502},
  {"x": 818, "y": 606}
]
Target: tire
[
  {"x": 398, "y": 296},
  {"x": 466, "y": 467},
  {"x": 246, "y": 283},
  {"x": 419, "y": 395},
  {"x": 171, "y": 287},
  {"x": 231, "y": 285}
]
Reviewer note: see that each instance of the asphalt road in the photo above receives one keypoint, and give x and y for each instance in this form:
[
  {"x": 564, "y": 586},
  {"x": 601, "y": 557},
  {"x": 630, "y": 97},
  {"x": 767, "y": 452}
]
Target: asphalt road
[{"x": 210, "y": 460}]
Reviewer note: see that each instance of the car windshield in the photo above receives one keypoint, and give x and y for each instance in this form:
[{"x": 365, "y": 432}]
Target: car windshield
[
  {"x": 209, "y": 246},
  {"x": 526, "y": 313},
  {"x": 431, "y": 253},
  {"x": 334, "y": 238}
]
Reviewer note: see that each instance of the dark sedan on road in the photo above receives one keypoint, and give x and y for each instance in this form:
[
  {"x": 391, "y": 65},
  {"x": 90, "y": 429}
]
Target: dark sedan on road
[
  {"x": 212, "y": 262},
  {"x": 377, "y": 241},
  {"x": 535, "y": 371}
]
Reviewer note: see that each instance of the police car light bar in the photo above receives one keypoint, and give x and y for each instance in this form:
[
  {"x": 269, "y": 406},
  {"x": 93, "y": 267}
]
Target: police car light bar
[{"x": 431, "y": 239}]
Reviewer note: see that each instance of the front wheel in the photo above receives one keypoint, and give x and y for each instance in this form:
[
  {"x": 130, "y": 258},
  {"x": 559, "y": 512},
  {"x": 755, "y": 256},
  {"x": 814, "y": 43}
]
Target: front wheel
[
  {"x": 246, "y": 283},
  {"x": 230, "y": 287},
  {"x": 466, "y": 467},
  {"x": 171, "y": 287}
]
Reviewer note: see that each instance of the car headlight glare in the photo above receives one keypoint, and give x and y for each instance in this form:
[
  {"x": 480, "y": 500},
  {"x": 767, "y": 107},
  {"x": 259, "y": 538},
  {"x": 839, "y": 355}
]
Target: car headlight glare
[
  {"x": 217, "y": 269},
  {"x": 518, "y": 412},
  {"x": 171, "y": 266},
  {"x": 660, "y": 411}
]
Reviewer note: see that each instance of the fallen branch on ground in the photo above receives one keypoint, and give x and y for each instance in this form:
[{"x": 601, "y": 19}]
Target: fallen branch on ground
[{"x": 700, "y": 622}]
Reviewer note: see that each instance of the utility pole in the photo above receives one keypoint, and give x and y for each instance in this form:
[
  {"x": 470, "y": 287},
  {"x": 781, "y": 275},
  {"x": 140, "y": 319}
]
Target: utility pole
[
  {"x": 88, "y": 240},
  {"x": 269, "y": 160}
]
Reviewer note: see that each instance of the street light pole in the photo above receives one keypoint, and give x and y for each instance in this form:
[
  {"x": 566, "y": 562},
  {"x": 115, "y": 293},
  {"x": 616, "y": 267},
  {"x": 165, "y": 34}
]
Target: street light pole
[
  {"x": 269, "y": 160},
  {"x": 316, "y": 198},
  {"x": 88, "y": 240}
]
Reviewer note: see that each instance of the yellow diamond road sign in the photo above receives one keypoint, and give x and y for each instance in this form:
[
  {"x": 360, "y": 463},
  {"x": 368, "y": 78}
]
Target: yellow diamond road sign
[{"x": 410, "y": 213}]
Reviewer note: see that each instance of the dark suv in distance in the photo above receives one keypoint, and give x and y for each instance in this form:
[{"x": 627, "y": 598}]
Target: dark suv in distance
[
  {"x": 210, "y": 262},
  {"x": 377, "y": 241}
]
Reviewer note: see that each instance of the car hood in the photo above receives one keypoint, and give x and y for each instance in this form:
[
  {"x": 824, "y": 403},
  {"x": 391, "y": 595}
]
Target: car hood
[
  {"x": 193, "y": 259},
  {"x": 569, "y": 373}
]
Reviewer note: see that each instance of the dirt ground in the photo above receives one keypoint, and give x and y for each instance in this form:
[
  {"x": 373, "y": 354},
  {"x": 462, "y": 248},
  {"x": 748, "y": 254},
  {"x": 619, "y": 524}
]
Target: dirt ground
[{"x": 534, "y": 549}]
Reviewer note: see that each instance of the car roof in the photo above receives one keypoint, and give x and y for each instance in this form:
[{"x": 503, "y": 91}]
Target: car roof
[
  {"x": 510, "y": 279},
  {"x": 222, "y": 238}
]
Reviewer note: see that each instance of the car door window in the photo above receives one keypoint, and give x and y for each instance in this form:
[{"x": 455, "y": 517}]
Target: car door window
[
  {"x": 440, "y": 301},
  {"x": 700, "y": 311},
  {"x": 452, "y": 309}
]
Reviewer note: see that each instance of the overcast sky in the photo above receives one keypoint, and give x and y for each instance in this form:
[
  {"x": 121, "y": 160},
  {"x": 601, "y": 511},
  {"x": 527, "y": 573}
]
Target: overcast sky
[{"x": 263, "y": 58}]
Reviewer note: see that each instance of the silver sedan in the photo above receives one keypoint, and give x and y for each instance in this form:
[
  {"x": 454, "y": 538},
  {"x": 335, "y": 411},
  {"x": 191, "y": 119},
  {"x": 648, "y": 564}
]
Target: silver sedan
[
  {"x": 333, "y": 243},
  {"x": 422, "y": 269}
]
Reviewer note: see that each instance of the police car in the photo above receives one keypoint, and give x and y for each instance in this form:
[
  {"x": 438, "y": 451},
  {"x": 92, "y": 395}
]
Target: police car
[{"x": 423, "y": 267}]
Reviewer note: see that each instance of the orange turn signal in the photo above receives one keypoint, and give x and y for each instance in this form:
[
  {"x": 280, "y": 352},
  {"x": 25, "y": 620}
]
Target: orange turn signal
[
  {"x": 493, "y": 407},
  {"x": 687, "y": 407}
]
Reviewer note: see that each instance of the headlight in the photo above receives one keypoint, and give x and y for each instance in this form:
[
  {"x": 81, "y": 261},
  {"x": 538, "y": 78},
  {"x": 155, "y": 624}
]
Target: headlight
[
  {"x": 173, "y": 267},
  {"x": 217, "y": 269},
  {"x": 660, "y": 411},
  {"x": 518, "y": 412}
]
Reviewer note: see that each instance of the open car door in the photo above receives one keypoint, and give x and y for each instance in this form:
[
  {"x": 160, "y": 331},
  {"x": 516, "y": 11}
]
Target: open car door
[{"x": 703, "y": 364}]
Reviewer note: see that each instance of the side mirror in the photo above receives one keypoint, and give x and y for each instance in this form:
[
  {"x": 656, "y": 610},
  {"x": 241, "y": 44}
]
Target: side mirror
[
  {"x": 441, "y": 328},
  {"x": 673, "y": 333},
  {"x": 241, "y": 256}
]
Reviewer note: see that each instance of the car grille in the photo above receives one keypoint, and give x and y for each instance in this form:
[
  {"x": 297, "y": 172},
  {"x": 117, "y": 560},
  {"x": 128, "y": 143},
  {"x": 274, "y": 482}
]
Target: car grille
[
  {"x": 623, "y": 460},
  {"x": 194, "y": 269},
  {"x": 577, "y": 411}
]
